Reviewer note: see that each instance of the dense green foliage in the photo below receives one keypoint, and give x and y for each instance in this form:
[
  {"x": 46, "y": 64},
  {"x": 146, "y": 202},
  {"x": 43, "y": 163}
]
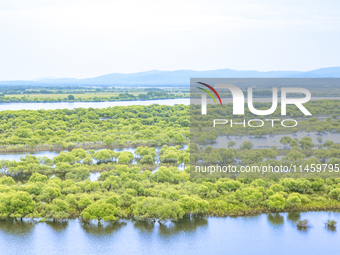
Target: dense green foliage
[
  {"x": 94, "y": 128},
  {"x": 137, "y": 125},
  {"x": 86, "y": 95},
  {"x": 126, "y": 189},
  {"x": 167, "y": 194}
]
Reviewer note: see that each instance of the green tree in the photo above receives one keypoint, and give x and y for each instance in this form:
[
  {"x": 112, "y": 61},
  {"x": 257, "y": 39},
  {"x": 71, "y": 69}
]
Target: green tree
[
  {"x": 108, "y": 141},
  {"x": 231, "y": 144},
  {"x": 246, "y": 145},
  {"x": 100, "y": 210},
  {"x": 306, "y": 143},
  {"x": 16, "y": 205},
  {"x": 276, "y": 202},
  {"x": 294, "y": 200},
  {"x": 188, "y": 204}
]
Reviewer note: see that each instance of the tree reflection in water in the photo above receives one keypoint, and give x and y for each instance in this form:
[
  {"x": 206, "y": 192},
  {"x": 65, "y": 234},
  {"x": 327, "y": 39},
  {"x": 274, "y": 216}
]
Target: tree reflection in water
[
  {"x": 294, "y": 216},
  {"x": 275, "y": 219},
  {"x": 172, "y": 227},
  {"x": 144, "y": 226},
  {"x": 17, "y": 227},
  {"x": 184, "y": 225},
  {"x": 102, "y": 229},
  {"x": 58, "y": 226}
]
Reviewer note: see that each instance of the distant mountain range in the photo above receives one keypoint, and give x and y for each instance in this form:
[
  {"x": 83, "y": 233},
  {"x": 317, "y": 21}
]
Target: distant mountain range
[{"x": 179, "y": 77}]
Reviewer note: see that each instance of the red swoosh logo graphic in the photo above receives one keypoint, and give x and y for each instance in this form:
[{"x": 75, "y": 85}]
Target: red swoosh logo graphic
[{"x": 213, "y": 90}]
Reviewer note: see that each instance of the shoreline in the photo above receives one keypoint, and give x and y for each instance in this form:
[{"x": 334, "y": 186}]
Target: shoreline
[{"x": 131, "y": 219}]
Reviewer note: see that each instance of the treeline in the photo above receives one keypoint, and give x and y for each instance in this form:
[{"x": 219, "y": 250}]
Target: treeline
[
  {"x": 45, "y": 89},
  {"x": 151, "y": 95},
  {"x": 167, "y": 194},
  {"x": 6, "y": 89}
]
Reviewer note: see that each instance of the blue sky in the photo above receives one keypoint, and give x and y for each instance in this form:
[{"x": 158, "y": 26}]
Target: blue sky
[{"x": 71, "y": 38}]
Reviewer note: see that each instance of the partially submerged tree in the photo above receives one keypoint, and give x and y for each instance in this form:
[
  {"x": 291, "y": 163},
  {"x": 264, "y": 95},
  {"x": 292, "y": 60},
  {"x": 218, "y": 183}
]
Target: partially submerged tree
[{"x": 100, "y": 210}]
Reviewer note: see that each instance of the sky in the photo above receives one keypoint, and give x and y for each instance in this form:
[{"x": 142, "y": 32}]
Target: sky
[{"x": 80, "y": 39}]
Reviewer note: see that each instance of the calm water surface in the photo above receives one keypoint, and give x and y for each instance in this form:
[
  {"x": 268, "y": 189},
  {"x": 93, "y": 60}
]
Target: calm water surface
[
  {"x": 70, "y": 105},
  {"x": 264, "y": 234}
]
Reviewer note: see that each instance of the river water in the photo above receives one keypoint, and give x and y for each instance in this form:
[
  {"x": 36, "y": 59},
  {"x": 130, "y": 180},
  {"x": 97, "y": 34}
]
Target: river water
[
  {"x": 263, "y": 234},
  {"x": 73, "y": 105},
  {"x": 70, "y": 106}
]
